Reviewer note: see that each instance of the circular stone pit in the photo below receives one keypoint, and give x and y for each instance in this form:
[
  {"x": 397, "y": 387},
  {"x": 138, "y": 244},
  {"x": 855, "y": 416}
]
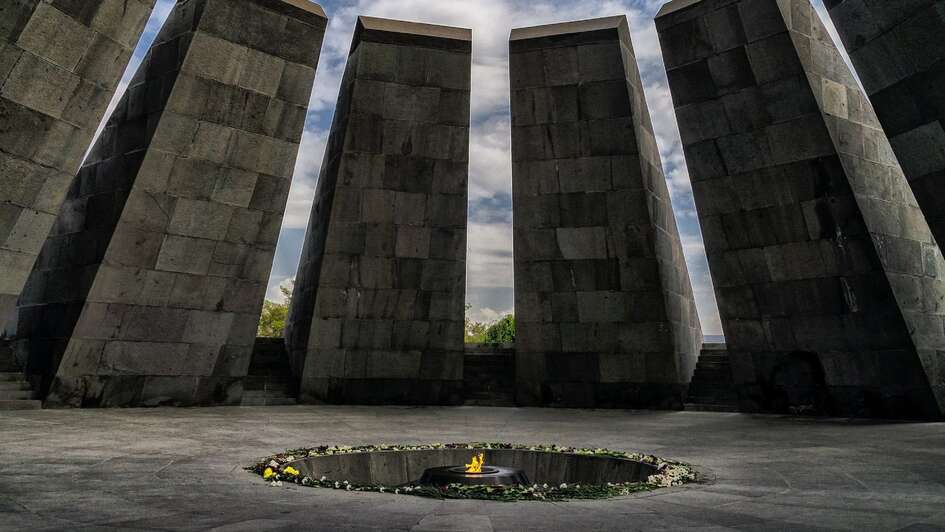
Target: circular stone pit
[{"x": 556, "y": 473}]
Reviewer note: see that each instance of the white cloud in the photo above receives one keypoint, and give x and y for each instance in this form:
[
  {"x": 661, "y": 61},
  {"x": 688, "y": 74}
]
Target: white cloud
[
  {"x": 489, "y": 258},
  {"x": 307, "y": 168},
  {"x": 274, "y": 293},
  {"x": 487, "y": 315}
]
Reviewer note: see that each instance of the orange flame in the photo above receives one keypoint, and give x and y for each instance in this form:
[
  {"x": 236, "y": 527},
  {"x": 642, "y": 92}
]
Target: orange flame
[{"x": 476, "y": 465}]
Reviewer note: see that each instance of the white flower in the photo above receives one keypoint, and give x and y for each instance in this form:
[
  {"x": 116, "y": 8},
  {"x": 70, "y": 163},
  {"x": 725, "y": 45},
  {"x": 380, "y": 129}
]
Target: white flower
[
  {"x": 324, "y": 478},
  {"x": 544, "y": 486},
  {"x": 348, "y": 486},
  {"x": 397, "y": 492},
  {"x": 564, "y": 485},
  {"x": 337, "y": 484},
  {"x": 381, "y": 490}
]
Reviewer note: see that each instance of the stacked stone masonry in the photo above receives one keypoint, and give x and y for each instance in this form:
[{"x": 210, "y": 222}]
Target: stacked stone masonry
[
  {"x": 149, "y": 288},
  {"x": 898, "y": 49},
  {"x": 60, "y": 62},
  {"x": 829, "y": 283},
  {"x": 605, "y": 314},
  {"x": 377, "y": 313}
]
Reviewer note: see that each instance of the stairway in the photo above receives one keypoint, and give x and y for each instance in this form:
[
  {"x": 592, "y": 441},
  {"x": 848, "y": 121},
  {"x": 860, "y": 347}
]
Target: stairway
[
  {"x": 270, "y": 381},
  {"x": 15, "y": 392},
  {"x": 712, "y": 388},
  {"x": 489, "y": 375}
]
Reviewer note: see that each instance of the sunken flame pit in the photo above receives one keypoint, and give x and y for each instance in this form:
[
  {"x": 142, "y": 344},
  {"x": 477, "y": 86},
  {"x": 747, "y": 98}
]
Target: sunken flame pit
[{"x": 474, "y": 473}]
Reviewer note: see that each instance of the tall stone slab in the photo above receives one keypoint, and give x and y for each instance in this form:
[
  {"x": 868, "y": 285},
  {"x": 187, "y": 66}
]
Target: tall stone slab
[
  {"x": 149, "y": 288},
  {"x": 898, "y": 49},
  {"x": 605, "y": 314},
  {"x": 829, "y": 282},
  {"x": 377, "y": 313},
  {"x": 60, "y": 62}
]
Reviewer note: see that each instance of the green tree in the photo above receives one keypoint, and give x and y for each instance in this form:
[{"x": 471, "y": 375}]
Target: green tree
[
  {"x": 501, "y": 332},
  {"x": 475, "y": 332},
  {"x": 274, "y": 315}
]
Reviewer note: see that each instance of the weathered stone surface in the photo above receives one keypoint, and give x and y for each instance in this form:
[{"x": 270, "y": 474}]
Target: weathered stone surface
[
  {"x": 149, "y": 288},
  {"x": 828, "y": 278},
  {"x": 888, "y": 480},
  {"x": 899, "y": 52},
  {"x": 59, "y": 66},
  {"x": 377, "y": 314},
  {"x": 604, "y": 309}
]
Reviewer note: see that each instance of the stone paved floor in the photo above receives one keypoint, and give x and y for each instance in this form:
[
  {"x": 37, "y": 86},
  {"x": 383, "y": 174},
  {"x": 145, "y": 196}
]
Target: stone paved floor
[{"x": 180, "y": 469}]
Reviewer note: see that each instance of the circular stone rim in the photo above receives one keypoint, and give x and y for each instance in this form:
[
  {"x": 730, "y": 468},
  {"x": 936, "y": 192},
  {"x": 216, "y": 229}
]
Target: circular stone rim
[{"x": 668, "y": 473}]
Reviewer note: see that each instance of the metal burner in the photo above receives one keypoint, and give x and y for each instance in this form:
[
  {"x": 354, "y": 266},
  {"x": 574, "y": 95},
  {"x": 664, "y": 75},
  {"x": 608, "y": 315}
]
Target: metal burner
[{"x": 489, "y": 476}]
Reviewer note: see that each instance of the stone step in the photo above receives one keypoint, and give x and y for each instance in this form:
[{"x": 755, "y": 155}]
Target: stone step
[
  {"x": 15, "y": 395},
  {"x": 712, "y": 377},
  {"x": 11, "y": 376},
  {"x": 489, "y": 365},
  {"x": 711, "y": 398},
  {"x": 254, "y": 399},
  {"x": 259, "y": 384},
  {"x": 14, "y": 385},
  {"x": 20, "y": 404},
  {"x": 492, "y": 386},
  {"x": 714, "y": 358},
  {"x": 710, "y": 388},
  {"x": 489, "y": 379},
  {"x": 488, "y": 392},
  {"x": 704, "y": 407},
  {"x": 714, "y": 347},
  {"x": 713, "y": 366},
  {"x": 490, "y": 402}
]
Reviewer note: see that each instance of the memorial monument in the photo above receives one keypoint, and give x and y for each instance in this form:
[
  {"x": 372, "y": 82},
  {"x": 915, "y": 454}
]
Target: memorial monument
[
  {"x": 898, "y": 49},
  {"x": 59, "y": 65},
  {"x": 378, "y": 310},
  {"x": 605, "y": 314},
  {"x": 149, "y": 288},
  {"x": 829, "y": 282}
]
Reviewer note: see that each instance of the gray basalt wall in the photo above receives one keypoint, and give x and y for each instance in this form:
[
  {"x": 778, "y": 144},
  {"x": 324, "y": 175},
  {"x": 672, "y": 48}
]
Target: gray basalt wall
[
  {"x": 898, "y": 49},
  {"x": 604, "y": 309},
  {"x": 828, "y": 278},
  {"x": 60, "y": 62},
  {"x": 149, "y": 288},
  {"x": 377, "y": 313}
]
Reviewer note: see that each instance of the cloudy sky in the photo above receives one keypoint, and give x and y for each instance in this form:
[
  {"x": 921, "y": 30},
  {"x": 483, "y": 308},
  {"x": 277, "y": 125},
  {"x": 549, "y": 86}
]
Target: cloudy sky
[{"x": 489, "y": 279}]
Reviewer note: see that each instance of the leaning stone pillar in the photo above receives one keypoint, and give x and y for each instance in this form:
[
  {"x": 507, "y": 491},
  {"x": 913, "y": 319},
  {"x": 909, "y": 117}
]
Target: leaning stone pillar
[
  {"x": 898, "y": 49},
  {"x": 605, "y": 314},
  {"x": 59, "y": 65},
  {"x": 149, "y": 288},
  {"x": 829, "y": 282},
  {"x": 377, "y": 313}
]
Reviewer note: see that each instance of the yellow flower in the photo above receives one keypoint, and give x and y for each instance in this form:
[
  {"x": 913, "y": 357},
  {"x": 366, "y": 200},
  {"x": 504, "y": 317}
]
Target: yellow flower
[
  {"x": 268, "y": 473},
  {"x": 291, "y": 471}
]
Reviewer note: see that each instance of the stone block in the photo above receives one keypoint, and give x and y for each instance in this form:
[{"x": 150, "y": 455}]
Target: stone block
[
  {"x": 592, "y": 212},
  {"x": 385, "y": 249},
  {"x": 816, "y": 249},
  {"x": 172, "y": 221}
]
